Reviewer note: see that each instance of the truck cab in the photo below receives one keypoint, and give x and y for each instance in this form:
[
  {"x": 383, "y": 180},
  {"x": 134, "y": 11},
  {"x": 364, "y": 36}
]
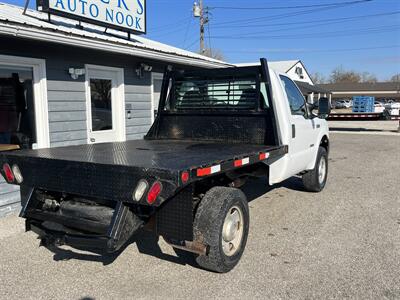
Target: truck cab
[{"x": 299, "y": 127}]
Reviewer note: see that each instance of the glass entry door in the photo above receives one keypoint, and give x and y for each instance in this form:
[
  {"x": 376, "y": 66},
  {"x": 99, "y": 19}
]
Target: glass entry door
[
  {"x": 106, "y": 119},
  {"x": 17, "y": 107}
]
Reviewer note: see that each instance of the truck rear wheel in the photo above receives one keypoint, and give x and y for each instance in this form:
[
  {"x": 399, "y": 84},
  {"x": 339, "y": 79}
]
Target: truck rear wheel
[
  {"x": 315, "y": 180},
  {"x": 222, "y": 223}
]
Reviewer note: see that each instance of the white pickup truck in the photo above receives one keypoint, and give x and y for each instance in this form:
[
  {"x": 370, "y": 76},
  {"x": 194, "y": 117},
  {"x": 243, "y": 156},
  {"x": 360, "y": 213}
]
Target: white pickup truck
[{"x": 214, "y": 130}]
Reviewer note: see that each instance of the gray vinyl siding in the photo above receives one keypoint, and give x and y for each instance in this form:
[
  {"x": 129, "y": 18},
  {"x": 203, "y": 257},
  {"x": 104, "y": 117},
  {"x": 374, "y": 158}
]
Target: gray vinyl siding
[
  {"x": 67, "y": 112},
  {"x": 139, "y": 98},
  {"x": 9, "y": 198}
]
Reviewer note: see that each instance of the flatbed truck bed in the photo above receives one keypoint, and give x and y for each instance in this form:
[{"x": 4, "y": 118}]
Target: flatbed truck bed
[
  {"x": 150, "y": 154},
  {"x": 111, "y": 169}
]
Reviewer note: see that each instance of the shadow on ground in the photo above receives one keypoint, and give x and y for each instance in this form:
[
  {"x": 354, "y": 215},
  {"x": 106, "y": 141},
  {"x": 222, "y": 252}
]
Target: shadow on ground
[{"x": 147, "y": 242}]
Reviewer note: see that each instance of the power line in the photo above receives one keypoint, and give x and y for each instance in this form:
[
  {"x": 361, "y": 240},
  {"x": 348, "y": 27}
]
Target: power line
[
  {"x": 315, "y": 51},
  {"x": 356, "y": 18},
  {"x": 337, "y": 21},
  {"x": 289, "y": 7},
  {"x": 187, "y": 29},
  {"x": 209, "y": 38},
  {"x": 319, "y": 34},
  {"x": 179, "y": 22},
  {"x": 192, "y": 44},
  {"x": 278, "y": 16}
]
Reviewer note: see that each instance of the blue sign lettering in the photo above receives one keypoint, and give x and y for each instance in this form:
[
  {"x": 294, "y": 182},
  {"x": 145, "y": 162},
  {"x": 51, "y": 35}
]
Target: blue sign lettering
[
  {"x": 61, "y": 3},
  {"x": 110, "y": 15},
  {"x": 128, "y": 14},
  {"x": 120, "y": 18},
  {"x": 138, "y": 23},
  {"x": 70, "y": 7},
  {"x": 129, "y": 20},
  {"x": 94, "y": 10},
  {"x": 141, "y": 8},
  {"x": 123, "y": 2},
  {"x": 83, "y": 2}
]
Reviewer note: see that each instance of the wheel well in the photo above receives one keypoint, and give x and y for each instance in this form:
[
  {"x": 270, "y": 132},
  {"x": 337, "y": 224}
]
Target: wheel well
[{"x": 325, "y": 143}]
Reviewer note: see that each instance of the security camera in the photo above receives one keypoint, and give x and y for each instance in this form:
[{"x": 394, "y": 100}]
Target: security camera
[
  {"x": 75, "y": 73},
  {"x": 147, "y": 68}
]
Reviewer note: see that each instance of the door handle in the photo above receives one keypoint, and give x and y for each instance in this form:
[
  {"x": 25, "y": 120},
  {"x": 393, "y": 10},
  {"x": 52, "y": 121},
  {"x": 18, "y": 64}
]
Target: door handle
[
  {"x": 293, "y": 131},
  {"x": 92, "y": 140}
]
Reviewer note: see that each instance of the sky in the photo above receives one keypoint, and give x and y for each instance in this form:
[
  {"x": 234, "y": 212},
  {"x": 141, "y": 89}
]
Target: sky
[{"x": 360, "y": 35}]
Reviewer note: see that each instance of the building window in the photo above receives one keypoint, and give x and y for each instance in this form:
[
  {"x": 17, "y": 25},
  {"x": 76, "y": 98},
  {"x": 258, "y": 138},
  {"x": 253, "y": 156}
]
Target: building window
[
  {"x": 17, "y": 113},
  {"x": 299, "y": 72},
  {"x": 100, "y": 92}
]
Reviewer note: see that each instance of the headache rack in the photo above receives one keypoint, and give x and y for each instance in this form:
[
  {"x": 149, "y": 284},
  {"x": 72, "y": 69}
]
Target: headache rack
[
  {"x": 223, "y": 93},
  {"x": 230, "y": 105}
]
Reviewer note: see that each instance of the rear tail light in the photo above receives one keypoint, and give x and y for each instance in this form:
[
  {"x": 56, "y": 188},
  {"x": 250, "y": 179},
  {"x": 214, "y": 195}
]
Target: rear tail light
[
  {"x": 8, "y": 173},
  {"x": 185, "y": 176},
  {"x": 141, "y": 188},
  {"x": 154, "y": 191},
  {"x": 17, "y": 174}
]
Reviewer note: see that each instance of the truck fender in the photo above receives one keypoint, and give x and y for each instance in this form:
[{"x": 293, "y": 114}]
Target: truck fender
[{"x": 324, "y": 142}]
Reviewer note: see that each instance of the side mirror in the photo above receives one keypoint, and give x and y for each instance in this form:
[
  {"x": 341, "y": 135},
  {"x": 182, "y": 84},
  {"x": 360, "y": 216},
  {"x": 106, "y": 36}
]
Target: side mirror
[{"x": 324, "y": 108}]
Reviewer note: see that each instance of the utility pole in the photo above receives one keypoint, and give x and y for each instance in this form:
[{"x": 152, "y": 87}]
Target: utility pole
[
  {"x": 199, "y": 11},
  {"x": 202, "y": 49}
]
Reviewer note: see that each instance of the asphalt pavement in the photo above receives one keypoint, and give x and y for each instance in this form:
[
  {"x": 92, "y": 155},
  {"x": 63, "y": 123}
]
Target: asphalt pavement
[{"x": 341, "y": 243}]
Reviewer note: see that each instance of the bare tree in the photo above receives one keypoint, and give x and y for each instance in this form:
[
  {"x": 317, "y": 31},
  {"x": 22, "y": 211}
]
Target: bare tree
[
  {"x": 318, "y": 78},
  {"x": 368, "y": 77},
  {"x": 395, "y": 78},
  {"x": 341, "y": 75},
  {"x": 214, "y": 53}
]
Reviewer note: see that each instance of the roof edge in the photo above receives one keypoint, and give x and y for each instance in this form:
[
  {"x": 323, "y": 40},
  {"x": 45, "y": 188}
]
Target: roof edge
[{"x": 33, "y": 33}]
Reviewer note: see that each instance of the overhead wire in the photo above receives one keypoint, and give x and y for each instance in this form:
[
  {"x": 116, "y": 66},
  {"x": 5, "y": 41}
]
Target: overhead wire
[
  {"x": 315, "y": 50},
  {"x": 288, "y": 7},
  {"x": 278, "y": 16},
  {"x": 333, "y": 21},
  {"x": 187, "y": 29},
  {"x": 312, "y": 35},
  {"x": 345, "y": 19}
]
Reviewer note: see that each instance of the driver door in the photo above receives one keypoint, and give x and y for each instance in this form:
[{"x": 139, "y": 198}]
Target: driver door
[{"x": 303, "y": 128}]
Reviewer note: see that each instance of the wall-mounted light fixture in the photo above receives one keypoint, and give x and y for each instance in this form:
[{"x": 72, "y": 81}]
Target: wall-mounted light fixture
[
  {"x": 75, "y": 73},
  {"x": 141, "y": 68}
]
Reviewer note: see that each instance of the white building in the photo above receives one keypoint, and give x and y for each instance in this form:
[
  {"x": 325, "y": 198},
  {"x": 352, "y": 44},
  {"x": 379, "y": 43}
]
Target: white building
[{"x": 296, "y": 71}]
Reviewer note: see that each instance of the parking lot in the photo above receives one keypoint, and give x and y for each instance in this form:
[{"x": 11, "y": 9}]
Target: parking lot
[{"x": 341, "y": 243}]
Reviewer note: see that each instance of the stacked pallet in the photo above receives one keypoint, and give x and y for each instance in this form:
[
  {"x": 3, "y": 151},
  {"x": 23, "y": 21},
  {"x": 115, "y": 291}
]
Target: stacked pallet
[{"x": 363, "y": 104}]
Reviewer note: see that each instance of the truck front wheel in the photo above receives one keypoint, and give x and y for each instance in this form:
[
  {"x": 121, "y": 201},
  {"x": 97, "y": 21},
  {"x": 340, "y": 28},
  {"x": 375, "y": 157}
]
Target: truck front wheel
[
  {"x": 222, "y": 223},
  {"x": 315, "y": 180}
]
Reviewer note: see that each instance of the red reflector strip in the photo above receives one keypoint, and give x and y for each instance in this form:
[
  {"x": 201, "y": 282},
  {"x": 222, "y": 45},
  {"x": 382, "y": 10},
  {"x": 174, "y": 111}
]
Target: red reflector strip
[
  {"x": 264, "y": 156},
  {"x": 241, "y": 162},
  {"x": 208, "y": 171}
]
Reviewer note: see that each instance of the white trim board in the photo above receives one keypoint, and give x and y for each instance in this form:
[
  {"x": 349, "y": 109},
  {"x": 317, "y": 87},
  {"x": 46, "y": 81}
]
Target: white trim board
[
  {"x": 154, "y": 75},
  {"x": 39, "y": 91}
]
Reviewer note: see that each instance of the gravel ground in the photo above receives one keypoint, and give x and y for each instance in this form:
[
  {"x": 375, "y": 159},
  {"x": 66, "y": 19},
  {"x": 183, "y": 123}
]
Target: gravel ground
[{"x": 341, "y": 243}]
